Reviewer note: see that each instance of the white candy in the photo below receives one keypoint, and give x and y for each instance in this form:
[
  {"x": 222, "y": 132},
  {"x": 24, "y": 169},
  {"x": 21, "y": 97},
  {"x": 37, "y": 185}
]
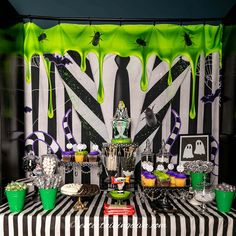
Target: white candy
[
  {"x": 160, "y": 167},
  {"x": 69, "y": 145},
  {"x": 95, "y": 147}
]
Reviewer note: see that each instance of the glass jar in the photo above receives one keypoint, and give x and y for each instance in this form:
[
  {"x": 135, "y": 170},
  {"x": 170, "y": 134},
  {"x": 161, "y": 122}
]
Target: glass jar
[
  {"x": 128, "y": 160},
  {"x": 162, "y": 158},
  {"x": 147, "y": 158},
  {"x": 30, "y": 161},
  {"x": 49, "y": 164}
]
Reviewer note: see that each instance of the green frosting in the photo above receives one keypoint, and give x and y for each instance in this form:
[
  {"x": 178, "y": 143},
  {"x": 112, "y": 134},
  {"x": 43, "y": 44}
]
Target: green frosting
[{"x": 167, "y": 41}]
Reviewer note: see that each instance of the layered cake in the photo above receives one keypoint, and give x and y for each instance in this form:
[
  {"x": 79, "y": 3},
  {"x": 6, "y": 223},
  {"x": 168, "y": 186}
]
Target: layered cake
[{"x": 71, "y": 189}]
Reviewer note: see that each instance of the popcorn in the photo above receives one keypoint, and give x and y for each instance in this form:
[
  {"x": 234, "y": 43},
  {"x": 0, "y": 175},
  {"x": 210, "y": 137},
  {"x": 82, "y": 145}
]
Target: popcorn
[
  {"x": 15, "y": 186},
  {"x": 225, "y": 187}
]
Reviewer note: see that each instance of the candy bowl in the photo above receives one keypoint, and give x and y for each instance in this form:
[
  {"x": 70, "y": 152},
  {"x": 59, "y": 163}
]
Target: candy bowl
[{"x": 204, "y": 194}]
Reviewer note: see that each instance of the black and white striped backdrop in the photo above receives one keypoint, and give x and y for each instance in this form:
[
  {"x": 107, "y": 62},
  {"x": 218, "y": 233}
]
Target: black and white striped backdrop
[
  {"x": 63, "y": 220},
  {"x": 90, "y": 122}
]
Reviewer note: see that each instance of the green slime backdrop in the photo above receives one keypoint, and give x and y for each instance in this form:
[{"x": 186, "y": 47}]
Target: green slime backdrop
[{"x": 167, "y": 41}]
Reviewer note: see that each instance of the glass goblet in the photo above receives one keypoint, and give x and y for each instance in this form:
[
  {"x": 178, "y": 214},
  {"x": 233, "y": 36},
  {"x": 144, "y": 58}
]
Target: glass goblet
[{"x": 204, "y": 194}]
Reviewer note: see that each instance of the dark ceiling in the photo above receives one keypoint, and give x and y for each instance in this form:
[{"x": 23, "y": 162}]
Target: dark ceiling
[{"x": 123, "y": 8}]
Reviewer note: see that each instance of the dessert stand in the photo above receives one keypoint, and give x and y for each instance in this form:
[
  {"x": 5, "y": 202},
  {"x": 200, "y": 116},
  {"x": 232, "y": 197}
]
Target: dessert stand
[
  {"x": 160, "y": 197},
  {"x": 87, "y": 190},
  {"x": 69, "y": 166}
]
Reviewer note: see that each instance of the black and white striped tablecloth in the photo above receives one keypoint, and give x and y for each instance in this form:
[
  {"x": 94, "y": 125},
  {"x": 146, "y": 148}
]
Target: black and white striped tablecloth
[{"x": 63, "y": 220}]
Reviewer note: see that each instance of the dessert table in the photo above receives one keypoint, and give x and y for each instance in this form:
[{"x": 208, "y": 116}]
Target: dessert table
[{"x": 63, "y": 220}]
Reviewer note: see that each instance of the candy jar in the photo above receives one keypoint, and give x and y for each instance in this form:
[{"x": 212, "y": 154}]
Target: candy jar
[
  {"x": 162, "y": 158},
  {"x": 147, "y": 158},
  {"x": 49, "y": 163},
  {"x": 128, "y": 160},
  {"x": 30, "y": 162}
]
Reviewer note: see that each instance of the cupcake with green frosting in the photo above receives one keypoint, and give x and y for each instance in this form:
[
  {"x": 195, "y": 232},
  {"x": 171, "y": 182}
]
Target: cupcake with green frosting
[{"x": 163, "y": 178}]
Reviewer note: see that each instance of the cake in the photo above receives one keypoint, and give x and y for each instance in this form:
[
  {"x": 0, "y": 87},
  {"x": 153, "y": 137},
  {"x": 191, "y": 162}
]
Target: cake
[
  {"x": 71, "y": 189},
  {"x": 148, "y": 179}
]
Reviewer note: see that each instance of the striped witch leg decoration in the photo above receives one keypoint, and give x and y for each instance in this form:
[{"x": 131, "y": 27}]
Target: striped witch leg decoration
[
  {"x": 44, "y": 137},
  {"x": 174, "y": 133},
  {"x": 67, "y": 130}
]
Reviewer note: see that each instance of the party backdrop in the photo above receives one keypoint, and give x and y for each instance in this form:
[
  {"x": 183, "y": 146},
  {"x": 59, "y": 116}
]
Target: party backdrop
[{"x": 168, "y": 77}]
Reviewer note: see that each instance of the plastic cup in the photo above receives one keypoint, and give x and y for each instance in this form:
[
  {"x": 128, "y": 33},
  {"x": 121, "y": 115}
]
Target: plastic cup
[
  {"x": 16, "y": 200},
  {"x": 224, "y": 200},
  {"x": 196, "y": 179},
  {"x": 48, "y": 198}
]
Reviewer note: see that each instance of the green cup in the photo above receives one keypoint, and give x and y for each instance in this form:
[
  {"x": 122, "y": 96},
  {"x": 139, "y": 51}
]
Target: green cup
[
  {"x": 224, "y": 200},
  {"x": 48, "y": 198},
  {"x": 16, "y": 200},
  {"x": 196, "y": 179}
]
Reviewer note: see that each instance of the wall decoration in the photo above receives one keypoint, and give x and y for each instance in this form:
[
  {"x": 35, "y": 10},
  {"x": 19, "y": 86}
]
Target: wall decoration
[
  {"x": 162, "y": 83},
  {"x": 167, "y": 41},
  {"x": 193, "y": 147}
]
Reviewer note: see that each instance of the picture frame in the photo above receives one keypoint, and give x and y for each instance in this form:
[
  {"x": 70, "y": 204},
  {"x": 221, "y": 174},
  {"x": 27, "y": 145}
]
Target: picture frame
[{"x": 193, "y": 147}]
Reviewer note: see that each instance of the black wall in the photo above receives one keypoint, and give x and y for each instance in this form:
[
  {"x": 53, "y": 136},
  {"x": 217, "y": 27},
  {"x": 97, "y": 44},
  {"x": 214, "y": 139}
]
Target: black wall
[
  {"x": 228, "y": 115},
  {"x": 11, "y": 107}
]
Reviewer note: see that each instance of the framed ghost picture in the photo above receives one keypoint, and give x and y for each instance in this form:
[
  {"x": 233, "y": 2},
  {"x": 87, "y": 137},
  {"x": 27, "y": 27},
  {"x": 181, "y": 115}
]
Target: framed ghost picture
[{"x": 193, "y": 147}]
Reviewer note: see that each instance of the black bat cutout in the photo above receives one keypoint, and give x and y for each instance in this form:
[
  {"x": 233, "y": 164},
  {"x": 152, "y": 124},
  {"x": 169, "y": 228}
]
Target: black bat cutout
[
  {"x": 210, "y": 97},
  {"x": 57, "y": 59},
  {"x": 27, "y": 109}
]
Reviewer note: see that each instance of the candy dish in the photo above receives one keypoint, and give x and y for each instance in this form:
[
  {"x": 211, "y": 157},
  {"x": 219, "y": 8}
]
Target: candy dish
[
  {"x": 86, "y": 190},
  {"x": 117, "y": 195}
]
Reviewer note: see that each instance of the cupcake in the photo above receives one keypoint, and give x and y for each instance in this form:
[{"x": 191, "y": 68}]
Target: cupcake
[
  {"x": 93, "y": 154},
  {"x": 180, "y": 180},
  {"x": 148, "y": 179},
  {"x": 67, "y": 156},
  {"x": 163, "y": 179},
  {"x": 81, "y": 153},
  {"x": 172, "y": 175}
]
